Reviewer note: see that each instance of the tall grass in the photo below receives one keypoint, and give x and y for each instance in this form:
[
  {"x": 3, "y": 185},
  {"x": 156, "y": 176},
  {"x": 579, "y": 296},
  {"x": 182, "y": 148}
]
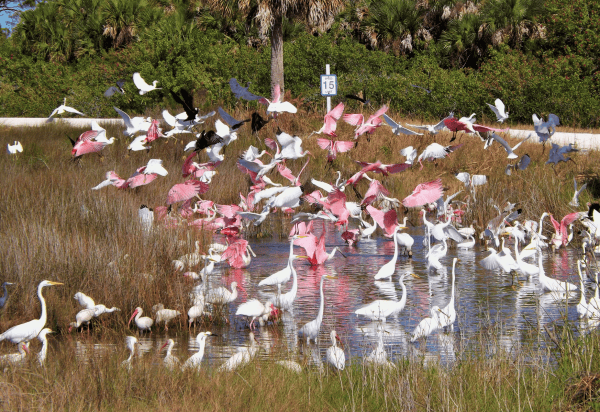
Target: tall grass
[{"x": 52, "y": 226}]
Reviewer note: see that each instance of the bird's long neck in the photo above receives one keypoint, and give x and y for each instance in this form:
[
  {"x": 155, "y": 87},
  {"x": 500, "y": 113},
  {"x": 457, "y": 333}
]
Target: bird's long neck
[
  {"x": 234, "y": 293},
  {"x": 322, "y": 305},
  {"x": 541, "y": 223},
  {"x": 582, "y": 298},
  {"x": 395, "y": 247},
  {"x": 44, "y": 314},
  {"x": 201, "y": 345},
  {"x": 330, "y": 256},
  {"x": 294, "y": 289},
  {"x": 453, "y": 281},
  {"x": 403, "y": 299},
  {"x": 43, "y": 351}
]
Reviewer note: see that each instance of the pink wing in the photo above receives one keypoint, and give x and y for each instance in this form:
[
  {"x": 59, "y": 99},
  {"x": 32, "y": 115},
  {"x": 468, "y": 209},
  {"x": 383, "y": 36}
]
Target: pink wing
[
  {"x": 454, "y": 125},
  {"x": 271, "y": 144},
  {"x": 309, "y": 243},
  {"x": 390, "y": 221},
  {"x": 484, "y": 129},
  {"x": 235, "y": 253},
  {"x": 350, "y": 236},
  {"x": 424, "y": 193},
  {"x": 378, "y": 113},
  {"x": 374, "y": 189},
  {"x": 336, "y": 112},
  {"x": 337, "y": 206},
  {"x": 320, "y": 253},
  {"x": 324, "y": 143},
  {"x": 343, "y": 146},
  {"x": 355, "y": 178},
  {"x": 555, "y": 224},
  {"x": 564, "y": 223},
  {"x": 229, "y": 211},
  {"x": 330, "y": 126},
  {"x": 87, "y": 146},
  {"x": 285, "y": 172},
  {"x": 87, "y": 136},
  {"x": 302, "y": 228},
  {"x": 140, "y": 179},
  {"x": 354, "y": 119},
  {"x": 187, "y": 168},
  {"x": 153, "y": 132},
  {"x": 396, "y": 168},
  {"x": 184, "y": 191}
]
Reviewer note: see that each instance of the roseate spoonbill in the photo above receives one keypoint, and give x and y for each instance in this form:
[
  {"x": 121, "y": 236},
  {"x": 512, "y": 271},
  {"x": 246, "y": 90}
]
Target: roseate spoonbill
[
  {"x": 41, "y": 356},
  {"x": 398, "y": 128},
  {"x": 115, "y": 89},
  {"x": 62, "y": 109},
  {"x": 384, "y": 169},
  {"x": 428, "y": 325},
  {"x": 143, "y": 323},
  {"x": 499, "y": 110},
  {"x": 553, "y": 285},
  {"x": 89, "y": 146},
  {"x": 559, "y": 238},
  {"x": 142, "y": 85},
  {"x": 15, "y": 148},
  {"x": 448, "y": 314},
  {"x": 311, "y": 329},
  {"x": 29, "y": 330},
  {"x": 170, "y": 361},
  {"x": 574, "y": 202},
  {"x": 330, "y": 124},
  {"x": 254, "y": 309},
  {"x": 195, "y": 361},
  {"x": 369, "y": 126},
  {"x": 334, "y": 148},
  {"x": 424, "y": 193},
  {"x": 185, "y": 191},
  {"x": 277, "y": 105},
  {"x": 315, "y": 249},
  {"x": 4, "y": 297},
  {"x": 335, "y": 356},
  {"x": 14, "y": 358},
  {"x": 382, "y": 309},
  {"x": 130, "y": 342},
  {"x": 163, "y": 315}
]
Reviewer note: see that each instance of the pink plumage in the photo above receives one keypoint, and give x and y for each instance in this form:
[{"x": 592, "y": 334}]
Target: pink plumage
[
  {"x": 331, "y": 119},
  {"x": 483, "y": 129},
  {"x": 350, "y": 236},
  {"x": 87, "y": 146},
  {"x": 153, "y": 132},
  {"x": 424, "y": 193},
  {"x": 375, "y": 188},
  {"x": 234, "y": 254},
  {"x": 335, "y": 147},
  {"x": 184, "y": 191},
  {"x": 384, "y": 169},
  {"x": 386, "y": 220},
  {"x": 455, "y": 126},
  {"x": 139, "y": 178},
  {"x": 315, "y": 249}
]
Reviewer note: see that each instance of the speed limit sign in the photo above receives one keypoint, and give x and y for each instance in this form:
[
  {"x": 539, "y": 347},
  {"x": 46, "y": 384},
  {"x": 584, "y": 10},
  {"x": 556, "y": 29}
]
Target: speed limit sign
[{"x": 328, "y": 85}]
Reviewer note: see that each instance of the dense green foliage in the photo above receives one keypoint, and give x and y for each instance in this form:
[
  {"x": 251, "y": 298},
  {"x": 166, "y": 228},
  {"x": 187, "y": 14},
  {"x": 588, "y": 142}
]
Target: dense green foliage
[{"x": 539, "y": 57}]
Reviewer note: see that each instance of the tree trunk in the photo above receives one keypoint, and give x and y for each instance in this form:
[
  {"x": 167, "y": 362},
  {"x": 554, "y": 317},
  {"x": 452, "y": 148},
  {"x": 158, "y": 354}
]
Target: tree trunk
[{"x": 277, "y": 53}]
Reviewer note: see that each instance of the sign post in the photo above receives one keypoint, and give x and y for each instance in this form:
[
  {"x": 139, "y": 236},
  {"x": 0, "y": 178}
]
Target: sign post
[{"x": 328, "y": 86}]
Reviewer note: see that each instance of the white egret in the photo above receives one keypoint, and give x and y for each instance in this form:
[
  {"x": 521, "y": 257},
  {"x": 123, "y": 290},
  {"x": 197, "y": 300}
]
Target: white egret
[
  {"x": 15, "y": 148},
  {"x": 427, "y": 326},
  {"x": 282, "y": 276},
  {"x": 163, "y": 315},
  {"x": 130, "y": 342},
  {"x": 222, "y": 296},
  {"x": 62, "y": 109},
  {"x": 467, "y": 244},
  {"x": 285, "y": 301},
  {"x": 584, "y": 310},
  {"x": 29, "y": 330},
  {"x": 382, "y": 309},
  {"x": 143, "y": 323},
  {"x": 387, "y": 270},
  {"x": 406, "y": 240},
  {"x": 311, "y": 329},
  {"x": 195, "y": 361},
  {"x": 141, "y": 84},
  {"x": 523, "y": 267},
  {"x": 499, "y": 110},
  {"x": 170, "y": 360},
  {"x": 14, "y": 358},
  {"x": 448, "y": 313},
  {"x": 553, "y": 285},
  {"x": 335, "y": 355},
  {"x": 242, "y": 357},
  {"x": 41, "y": 356},
  {"x": 378, "y": 357},
  {"x": 436, "y": 253}
]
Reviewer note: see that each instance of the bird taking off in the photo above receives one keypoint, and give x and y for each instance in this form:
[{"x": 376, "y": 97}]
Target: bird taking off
[
  {"x": 142, "y": 85},
  {"x": 499, "y": 110}
]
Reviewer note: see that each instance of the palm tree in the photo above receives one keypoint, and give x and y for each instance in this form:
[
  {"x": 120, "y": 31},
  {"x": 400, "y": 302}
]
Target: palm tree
[
  {"x": 124, "y": 19},
  {"x": 270, "y": 14},
  {"x": 461, "y": 41},
  {"x": 511, "y": 20}
]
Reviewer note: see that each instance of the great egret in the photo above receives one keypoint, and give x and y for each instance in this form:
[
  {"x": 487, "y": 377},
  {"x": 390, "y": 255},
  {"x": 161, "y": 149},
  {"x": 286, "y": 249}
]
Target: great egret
[
  {"x": 277, "y": 105},
  {"x": 382, "y": 309},
  {"x": 41, "y": 356},
  {"x": 195, "y": 361},
  {"x": 64, "y": 108},
  {"x": 467, "y": 244},
  {"x": 242, "y": 357},
  {"x": 29, "y": 330},
  {"x": 143, "y": 323},
  {"x": 130, "y": 342},
  {"x": 141, "y": 84},
  {"x": 285, "y": 301},
  {"x": 335, "y": 355},
  {"x": 499, "y": 110},
  {"x": 283, "y": 276},
  {"x": 448, "y": 314},
  {"x": 291, "y": 365},
  {"x": 170, "y": 360},
  {"x": 387, "y": 270},
  {"x": 15, "y": 148},
  {"x": 311, "y": 329},
  {"x": 575, "y": 200},
  {"x": 584, "y": 310},
  {"x": 553, "y": 285},
  {"x": 378, "y": 357},
  {"x": 427, "y": 326}
]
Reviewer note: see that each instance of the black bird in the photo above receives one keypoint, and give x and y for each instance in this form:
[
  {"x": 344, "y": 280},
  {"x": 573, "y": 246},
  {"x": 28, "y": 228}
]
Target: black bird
[
  {"x": 207, "y": 139},
  {"x": 257, "y": 122},
  {"x": 360, "y": 99},
  {"x": 187, "y": 101},
  {"x": 231, "y": 122}
]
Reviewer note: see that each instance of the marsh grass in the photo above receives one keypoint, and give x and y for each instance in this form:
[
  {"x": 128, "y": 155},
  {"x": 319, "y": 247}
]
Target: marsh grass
[{"x": 52, "y": 226}]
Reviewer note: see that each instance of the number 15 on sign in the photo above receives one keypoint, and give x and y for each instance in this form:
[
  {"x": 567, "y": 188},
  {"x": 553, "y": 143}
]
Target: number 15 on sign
[{"x": 328, "y": 85}]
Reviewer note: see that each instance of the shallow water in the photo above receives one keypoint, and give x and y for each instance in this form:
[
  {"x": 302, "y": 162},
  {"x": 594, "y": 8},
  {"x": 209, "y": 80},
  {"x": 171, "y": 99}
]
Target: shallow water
[{"x": 511, "y": 315}]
